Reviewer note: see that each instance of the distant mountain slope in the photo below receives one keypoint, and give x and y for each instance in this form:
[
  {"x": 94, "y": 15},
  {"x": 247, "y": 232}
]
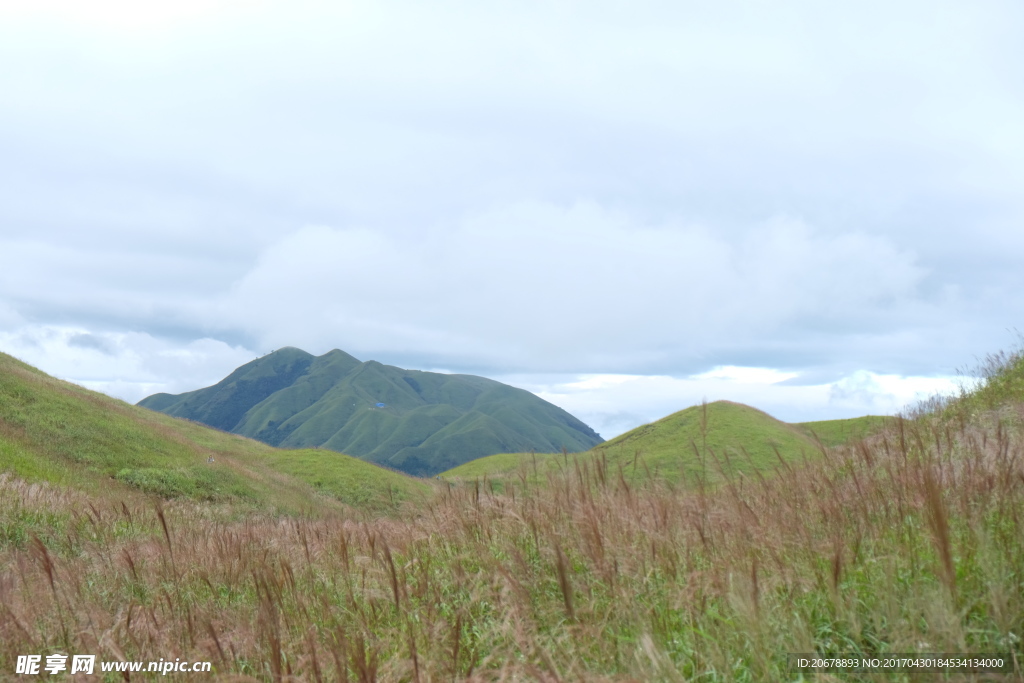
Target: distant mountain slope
[
  {"x": 55, "y": 431},
  {"x": 429, "y": 422},
  {"x": 734, "y": 438}
]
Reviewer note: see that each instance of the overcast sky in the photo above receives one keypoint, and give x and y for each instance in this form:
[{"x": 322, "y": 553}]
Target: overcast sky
[{"x": 813, "y": 207}]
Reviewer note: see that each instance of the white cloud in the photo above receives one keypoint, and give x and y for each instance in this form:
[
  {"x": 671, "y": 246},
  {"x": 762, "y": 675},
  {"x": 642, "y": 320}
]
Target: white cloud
[
  {"x": 863, "y": 390},
  {"x": 571, "y": 288},
  {"x": 120, "y": 15},
  {"x": 656, "y": 188},
  {"x": 747, "y": 375},
  {"x": 9, "y": 317},
  {"x": 129, "y": 366}
]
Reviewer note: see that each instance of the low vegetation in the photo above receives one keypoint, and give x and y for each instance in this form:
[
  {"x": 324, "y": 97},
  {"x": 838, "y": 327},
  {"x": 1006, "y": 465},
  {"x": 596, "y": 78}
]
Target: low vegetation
[
  {"x": 56, "y": 432},
  {"x": 841, "y": 432},
  {"x": 908, "y": 541}
]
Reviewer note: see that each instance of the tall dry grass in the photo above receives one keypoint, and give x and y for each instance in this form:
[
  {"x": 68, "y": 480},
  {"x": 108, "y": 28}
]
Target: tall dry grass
[{"x": 909, "y": 542}]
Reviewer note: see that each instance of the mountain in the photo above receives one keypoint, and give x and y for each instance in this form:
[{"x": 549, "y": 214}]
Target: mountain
[
  {"x": 734, "y": 438},
  {"x": 57, "y": 432},
  {"x": 418, "y": 422}
]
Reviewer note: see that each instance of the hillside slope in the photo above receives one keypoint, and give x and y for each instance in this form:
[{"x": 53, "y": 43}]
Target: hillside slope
[
  {"x": 55, "y": 431},
  {"x": 418, "y": 422},
  {"x": 912, "y": 543},
  {"x": 721, "y": 438},
  {"x": 705, "y": 440},
  {"x": 839, "y": 432}
]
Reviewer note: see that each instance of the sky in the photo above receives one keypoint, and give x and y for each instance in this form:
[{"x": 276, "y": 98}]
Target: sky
[{"x": 624, "y": 207}]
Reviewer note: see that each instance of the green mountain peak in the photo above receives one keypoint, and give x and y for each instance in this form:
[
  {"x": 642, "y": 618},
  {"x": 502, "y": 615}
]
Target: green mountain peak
[{"x": 418, "y": 422}]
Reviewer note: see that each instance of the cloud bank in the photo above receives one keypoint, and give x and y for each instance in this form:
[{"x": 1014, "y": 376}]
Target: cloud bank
[{"x": 553, "y": 191}]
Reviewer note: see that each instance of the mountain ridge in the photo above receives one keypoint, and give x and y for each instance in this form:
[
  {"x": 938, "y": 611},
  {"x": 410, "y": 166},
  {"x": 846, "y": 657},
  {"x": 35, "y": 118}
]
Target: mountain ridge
[{"x": 415, "y": 421}]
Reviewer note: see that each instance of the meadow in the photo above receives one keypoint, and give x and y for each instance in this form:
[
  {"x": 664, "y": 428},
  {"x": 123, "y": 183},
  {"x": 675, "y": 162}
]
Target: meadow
[{"x": 908, "y": 541}]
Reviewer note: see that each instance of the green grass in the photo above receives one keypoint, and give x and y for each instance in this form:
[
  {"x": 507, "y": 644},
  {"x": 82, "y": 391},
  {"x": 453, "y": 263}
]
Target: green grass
[
  {"x": 909, "y": 542},
  {"x": 709, "y": 442},
  {"x": 840, "y": 432},
  {"x": 56, "y": 432},
  {"x": 349, "y": 479},
  {"x": 500, "y": 465},
  {"x": 999, "y": 384}
]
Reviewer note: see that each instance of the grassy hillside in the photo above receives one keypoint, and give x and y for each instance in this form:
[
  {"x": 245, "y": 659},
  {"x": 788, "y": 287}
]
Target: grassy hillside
[
  {"x": 701, "y": 442},
  {"x": 57, "y": 432},
  {"x": 502, "y": 465},
  {"x": 999, "y": 387},
  {"x": 839, "y": 432},
  {"x": 708, "y": 440},
  {"x": 909, "y": 544},
  {"x": 428, "y": 422},
  {"x": 737, "y": 438}
]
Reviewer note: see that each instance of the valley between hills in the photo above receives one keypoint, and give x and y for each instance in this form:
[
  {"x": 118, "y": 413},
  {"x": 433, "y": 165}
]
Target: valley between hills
[{"x": 704, "y": 546}]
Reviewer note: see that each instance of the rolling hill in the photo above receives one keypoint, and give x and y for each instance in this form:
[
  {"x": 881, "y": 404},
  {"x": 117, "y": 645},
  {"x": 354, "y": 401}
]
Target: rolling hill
[
  {"x": 57, "y": 432},
  {"x": 735, "y": 438},
  {"x": 418, "y": 422}
]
